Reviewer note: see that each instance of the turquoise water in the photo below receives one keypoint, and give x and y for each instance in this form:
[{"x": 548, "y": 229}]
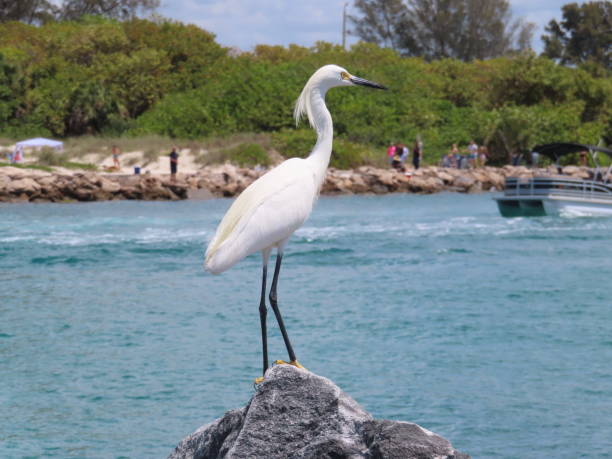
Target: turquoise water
[{"x": 495, "y": 333}]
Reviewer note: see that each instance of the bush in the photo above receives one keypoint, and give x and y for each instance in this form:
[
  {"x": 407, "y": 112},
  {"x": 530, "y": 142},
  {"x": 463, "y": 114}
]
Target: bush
[
  {"x": 51, "y": 157},
  {"x": 243, "y": 155},
  {"x": 350, "y": 155},
  {"x": 291, "y": 143},
  {"x": 345, "y": 154},
  {"x": 248, "y": 155}
]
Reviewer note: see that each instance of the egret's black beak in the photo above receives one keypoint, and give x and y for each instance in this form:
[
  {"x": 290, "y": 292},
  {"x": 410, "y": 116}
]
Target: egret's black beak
[{"x": 363, "y": 82}]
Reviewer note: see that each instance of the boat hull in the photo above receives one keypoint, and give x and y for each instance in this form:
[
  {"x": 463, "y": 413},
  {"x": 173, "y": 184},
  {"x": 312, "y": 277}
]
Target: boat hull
[
  {"x": 555, "y": 195},
  {"x": 577, "y": 207},
  {"x": 520, "y": 207},
  {"x": 551, "y": 205}
]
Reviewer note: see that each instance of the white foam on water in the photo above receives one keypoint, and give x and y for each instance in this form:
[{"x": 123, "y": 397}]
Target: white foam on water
[
  {"x": 75, "y": 238},
  {"x": 409, "y": 228}
]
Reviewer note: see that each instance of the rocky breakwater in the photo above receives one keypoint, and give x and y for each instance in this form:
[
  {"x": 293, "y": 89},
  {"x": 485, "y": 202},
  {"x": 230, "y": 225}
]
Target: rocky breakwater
[
  {"x": 21, "y": 185},
  {"x": 297, "y": 414},
  {"x": 426, "y": 180},
  {"x": 229, "y": 180}
]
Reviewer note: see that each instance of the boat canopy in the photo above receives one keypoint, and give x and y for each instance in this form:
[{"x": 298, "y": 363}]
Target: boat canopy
[{"x": 556, "y": 150}]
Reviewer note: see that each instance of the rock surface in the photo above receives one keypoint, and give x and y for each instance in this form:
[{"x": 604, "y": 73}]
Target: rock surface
[
  {"x": 297, "y": 414},
  {"x": 228, "y": 180}
]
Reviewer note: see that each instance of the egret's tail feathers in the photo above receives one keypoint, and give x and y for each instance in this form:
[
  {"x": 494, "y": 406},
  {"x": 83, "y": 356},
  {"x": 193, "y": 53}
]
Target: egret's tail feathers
[
  {"x": 222, "y": 258},
  {"x": 213, "y": 264},
  {"x": 211, "y": 267}
]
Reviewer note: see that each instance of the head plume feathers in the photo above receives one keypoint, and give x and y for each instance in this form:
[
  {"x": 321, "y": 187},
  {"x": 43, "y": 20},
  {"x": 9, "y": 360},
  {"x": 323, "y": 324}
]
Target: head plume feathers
[
  {"x": 317, "y": 82},
  {"x": 303, "y": 105}
]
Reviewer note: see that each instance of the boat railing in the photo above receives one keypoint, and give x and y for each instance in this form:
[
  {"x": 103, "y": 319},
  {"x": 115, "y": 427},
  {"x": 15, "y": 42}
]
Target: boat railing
[{"x": 544, "y": 186}]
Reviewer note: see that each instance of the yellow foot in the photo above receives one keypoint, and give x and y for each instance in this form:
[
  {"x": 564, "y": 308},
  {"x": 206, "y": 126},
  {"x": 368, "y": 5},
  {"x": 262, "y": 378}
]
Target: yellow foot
[
  {"x": 259, "y": 380},
  {"x": 295, "y": 363}
]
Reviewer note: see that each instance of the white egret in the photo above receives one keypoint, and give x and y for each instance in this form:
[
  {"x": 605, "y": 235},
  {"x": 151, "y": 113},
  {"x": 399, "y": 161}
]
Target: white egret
[{"x": 269, "y": 210}]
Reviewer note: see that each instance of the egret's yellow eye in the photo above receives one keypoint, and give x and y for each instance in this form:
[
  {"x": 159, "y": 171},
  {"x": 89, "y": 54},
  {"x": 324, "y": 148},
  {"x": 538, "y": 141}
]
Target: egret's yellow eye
[{"x": 344, "y": 75}]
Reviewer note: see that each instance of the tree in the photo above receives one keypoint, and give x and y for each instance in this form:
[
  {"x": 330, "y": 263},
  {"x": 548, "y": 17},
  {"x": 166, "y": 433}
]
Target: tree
[
  {"x": 7, "y": 94},
  {"x": 584, "y": 34},
  {"x": 116, "y": 9},
  {"x": 41, "y": 11},
  {"x": 28, "y": 11},
  {"x": 381, "y": 21},
  {"x": 435, "y": 29}
]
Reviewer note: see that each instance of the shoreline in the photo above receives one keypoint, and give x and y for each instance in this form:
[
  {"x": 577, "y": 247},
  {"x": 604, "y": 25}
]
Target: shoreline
[{"x": 31, "y": 185}]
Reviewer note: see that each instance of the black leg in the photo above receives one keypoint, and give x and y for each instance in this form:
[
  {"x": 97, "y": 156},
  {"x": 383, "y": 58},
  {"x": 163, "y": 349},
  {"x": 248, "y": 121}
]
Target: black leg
[
  {"x": 274, "y": 303},
  {"x": 263, "y": 312}
]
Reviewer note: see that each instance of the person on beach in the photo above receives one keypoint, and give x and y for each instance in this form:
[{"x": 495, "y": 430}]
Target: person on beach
[
  {"x": 535, "y": 159},
  {"x": 396, "y": 163},
  {"x": 472, "y": 150},
  {"x": 116, "y": 152},
  {"x": 173, "y": 163},
  {"x": 483, "y": 156},
  {"x": 405, "y": 153},
  {"x": 447, "y": 160},
  {"x": 18, "y": 155},
  {"x": 391, "y": 151},
  {"x": 417, "y": 154},
  {"x": 454, "y": 156}
]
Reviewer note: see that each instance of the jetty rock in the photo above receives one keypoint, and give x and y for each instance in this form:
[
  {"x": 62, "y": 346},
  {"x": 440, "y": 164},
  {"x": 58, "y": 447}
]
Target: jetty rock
[{"x": 297, "y": 414}]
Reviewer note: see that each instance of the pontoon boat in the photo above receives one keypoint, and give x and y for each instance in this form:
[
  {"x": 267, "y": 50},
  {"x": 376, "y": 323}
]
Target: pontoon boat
[{"x": 559, "y": 194}]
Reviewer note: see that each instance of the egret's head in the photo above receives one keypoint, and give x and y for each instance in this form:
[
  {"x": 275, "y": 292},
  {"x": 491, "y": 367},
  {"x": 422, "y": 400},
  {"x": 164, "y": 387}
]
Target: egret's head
[
  {"x": 330, "y": 76},
  {"x": 327, "y": 77}
]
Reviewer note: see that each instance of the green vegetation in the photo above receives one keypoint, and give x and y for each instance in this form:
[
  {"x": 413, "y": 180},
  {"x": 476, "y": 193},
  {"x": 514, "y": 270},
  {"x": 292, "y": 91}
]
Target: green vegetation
[
  {"x": 95, "y": 76},
  {"x": 82, "y": 145},
  {"x": 248, "y": 155},
  {"x": 80, "y": 166},
  {"x": 584, "y": 34},
  {"x": 28, "y": 166},
  {"x": 434, "y": 29},
  {"x": 49, "y": 157},
  {"x": 165, "y": 83},
  {"x": 345, "y": 154},
  {"x": 243, "y": 154},
  {"x": 40, "y": 11},
  {"x": 294, "y": 142}
]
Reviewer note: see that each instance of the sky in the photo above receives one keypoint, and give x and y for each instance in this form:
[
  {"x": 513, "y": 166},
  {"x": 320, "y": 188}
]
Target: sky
[{"x": 246, "y": 23}]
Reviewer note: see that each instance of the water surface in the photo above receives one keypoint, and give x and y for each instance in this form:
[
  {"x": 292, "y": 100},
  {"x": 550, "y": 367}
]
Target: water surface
[{"x": 495, "y": 333}]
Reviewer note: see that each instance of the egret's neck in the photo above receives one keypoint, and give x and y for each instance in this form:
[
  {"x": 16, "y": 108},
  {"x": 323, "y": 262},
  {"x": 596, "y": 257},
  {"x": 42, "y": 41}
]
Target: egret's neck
[{"x": 319, "y": 158}]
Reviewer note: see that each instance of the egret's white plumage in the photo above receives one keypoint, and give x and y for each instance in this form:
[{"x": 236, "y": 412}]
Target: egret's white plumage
[
  {"x": 269, "y": 210},
  {"x": 265, "y": 215}
]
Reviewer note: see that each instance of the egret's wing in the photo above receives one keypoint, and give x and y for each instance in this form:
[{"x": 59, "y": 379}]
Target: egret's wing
[{"x": 266, "y": 212}]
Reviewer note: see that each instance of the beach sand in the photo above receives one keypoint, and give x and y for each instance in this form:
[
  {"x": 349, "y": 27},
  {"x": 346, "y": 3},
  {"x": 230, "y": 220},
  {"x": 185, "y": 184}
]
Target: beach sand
[{"x": 130, "y": 160}]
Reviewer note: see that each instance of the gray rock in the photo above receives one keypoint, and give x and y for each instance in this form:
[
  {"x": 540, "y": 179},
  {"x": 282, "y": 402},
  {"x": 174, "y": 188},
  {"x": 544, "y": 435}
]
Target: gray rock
[
  {"x": 24, "y": 185},
  {"x": 464, "y": 181},
  {"x": 297, "y": 414}
]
